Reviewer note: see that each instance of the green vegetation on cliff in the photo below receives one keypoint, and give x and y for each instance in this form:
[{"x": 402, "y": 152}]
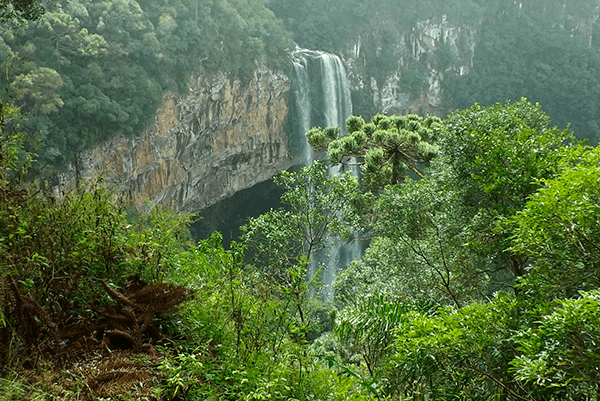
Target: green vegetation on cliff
[
  {"x": 545, "y": 51},
  {"x": 529, "y": 55},
  {"x": 86, "y": 71},
  {"x": 480, "y": 280}
]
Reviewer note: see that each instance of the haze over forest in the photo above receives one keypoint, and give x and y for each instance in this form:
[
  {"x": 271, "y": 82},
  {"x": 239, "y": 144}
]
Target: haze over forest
[{"x": 436, "y": 236}]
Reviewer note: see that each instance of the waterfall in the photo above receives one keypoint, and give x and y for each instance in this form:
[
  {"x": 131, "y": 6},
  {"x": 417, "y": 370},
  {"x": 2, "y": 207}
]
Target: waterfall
[
  {"x": 321, "y": 97},
  {"x": 302, "y": 107},
  {"x": 337, "y": 105}
]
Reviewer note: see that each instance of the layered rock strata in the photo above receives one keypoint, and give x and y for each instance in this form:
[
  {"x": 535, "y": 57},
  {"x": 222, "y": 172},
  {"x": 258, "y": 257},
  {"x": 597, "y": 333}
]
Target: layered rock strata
[{"x": 221, "y": 137}]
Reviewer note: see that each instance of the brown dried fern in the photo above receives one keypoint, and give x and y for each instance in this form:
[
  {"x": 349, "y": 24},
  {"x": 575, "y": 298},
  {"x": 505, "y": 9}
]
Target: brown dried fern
[
  {"x": 127, "y": 324},
  {"x": 133, "y": 315}
]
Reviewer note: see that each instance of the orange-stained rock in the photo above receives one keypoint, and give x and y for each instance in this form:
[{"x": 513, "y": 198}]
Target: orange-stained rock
[{"x": 221, "y": 137}]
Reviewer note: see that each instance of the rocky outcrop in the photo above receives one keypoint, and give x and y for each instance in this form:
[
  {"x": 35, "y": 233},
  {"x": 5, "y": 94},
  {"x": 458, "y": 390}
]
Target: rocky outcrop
[
  {"x": 399, "y": 69},
  {"x": 420, "y": 57},
  {"x": 221, "y": 137}
]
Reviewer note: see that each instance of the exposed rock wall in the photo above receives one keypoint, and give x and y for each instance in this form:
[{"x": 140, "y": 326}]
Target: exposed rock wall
[
  {"x": 222, "y": 137},
  {"x": 431, "y": 49},
  {"x": 399, "y": 69}
]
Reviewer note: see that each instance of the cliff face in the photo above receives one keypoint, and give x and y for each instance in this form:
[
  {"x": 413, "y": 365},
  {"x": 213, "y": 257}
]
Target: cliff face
[
  {"x": 399, "y": 69},
  {"x": 225, "y": 136},
  {"x": 222, "y": 137},
  {"x": 406, "y": 74}
]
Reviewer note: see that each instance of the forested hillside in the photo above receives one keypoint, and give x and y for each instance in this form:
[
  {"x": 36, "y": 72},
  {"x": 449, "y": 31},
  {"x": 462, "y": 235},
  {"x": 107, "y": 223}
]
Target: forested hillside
[
  {"x": 88, "y": 70},
  {"x": 546, "y": 51},
  {"x": 480, "y": 280}
]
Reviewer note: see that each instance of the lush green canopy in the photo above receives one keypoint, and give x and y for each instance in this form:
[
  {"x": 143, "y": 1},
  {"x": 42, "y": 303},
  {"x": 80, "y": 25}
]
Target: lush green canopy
[
  {"x": 436, "y": 308},
  {"x": 85, "y": 71},
  {"x": 481, "y": 276}
]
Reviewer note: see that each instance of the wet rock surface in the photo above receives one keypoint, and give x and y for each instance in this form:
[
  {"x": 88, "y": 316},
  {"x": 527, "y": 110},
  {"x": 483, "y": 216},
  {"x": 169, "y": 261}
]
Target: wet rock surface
[{"x": 223, "y": 136}]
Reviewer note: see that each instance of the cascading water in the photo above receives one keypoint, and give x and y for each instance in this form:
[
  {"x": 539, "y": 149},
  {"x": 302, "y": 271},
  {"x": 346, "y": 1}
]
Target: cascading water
[
  {"x": 322, "y": 98},
  {"x": 302, "y": 107}
]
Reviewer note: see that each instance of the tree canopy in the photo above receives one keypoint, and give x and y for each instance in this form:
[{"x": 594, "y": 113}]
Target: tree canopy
[
  {"x": 546, "y": 51},
  {"x": 17, "y": 11},
  {"x": 85, "y": 71},
  {"x": 491, "y": 258},
  {"x": 390, "y": 146},
  {"x": 533, "y": 55},
  {"x": 479, "y": 280}
]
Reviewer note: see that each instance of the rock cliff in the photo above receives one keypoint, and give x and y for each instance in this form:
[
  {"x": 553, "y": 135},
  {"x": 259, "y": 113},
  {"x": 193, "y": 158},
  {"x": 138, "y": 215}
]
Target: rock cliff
[
  {"x": 226, "y": 135},
  {"x": 395, "y": 68},
  {"x": 221, "y": 137},
  {"x": 398, "y": 70}
]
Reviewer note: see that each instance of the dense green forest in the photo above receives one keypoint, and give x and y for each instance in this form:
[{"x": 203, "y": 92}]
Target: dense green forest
[
  {"x": 481, "y": 276},
  {"x": 327, "y": 24},
  {"x": 84, "y": 71},
  {"x": 547, "y": 51},
  {"x": 480, "y": 281},
  {"x": 87, "y": 70},
  {"x": 529, "y": 55}
]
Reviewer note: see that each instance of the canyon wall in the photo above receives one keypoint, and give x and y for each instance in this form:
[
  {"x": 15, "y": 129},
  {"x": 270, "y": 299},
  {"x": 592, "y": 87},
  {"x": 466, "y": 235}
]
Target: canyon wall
[
  {"x": 223, "y": 136},
  {"x": 395, "y": 68},
  {"x": 399, "y": 70},
  {"x": 226, "y": 135}
]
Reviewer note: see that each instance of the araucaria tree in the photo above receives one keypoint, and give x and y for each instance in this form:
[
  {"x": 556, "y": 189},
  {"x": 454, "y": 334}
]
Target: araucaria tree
[{"x": 390, "y": 146}]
